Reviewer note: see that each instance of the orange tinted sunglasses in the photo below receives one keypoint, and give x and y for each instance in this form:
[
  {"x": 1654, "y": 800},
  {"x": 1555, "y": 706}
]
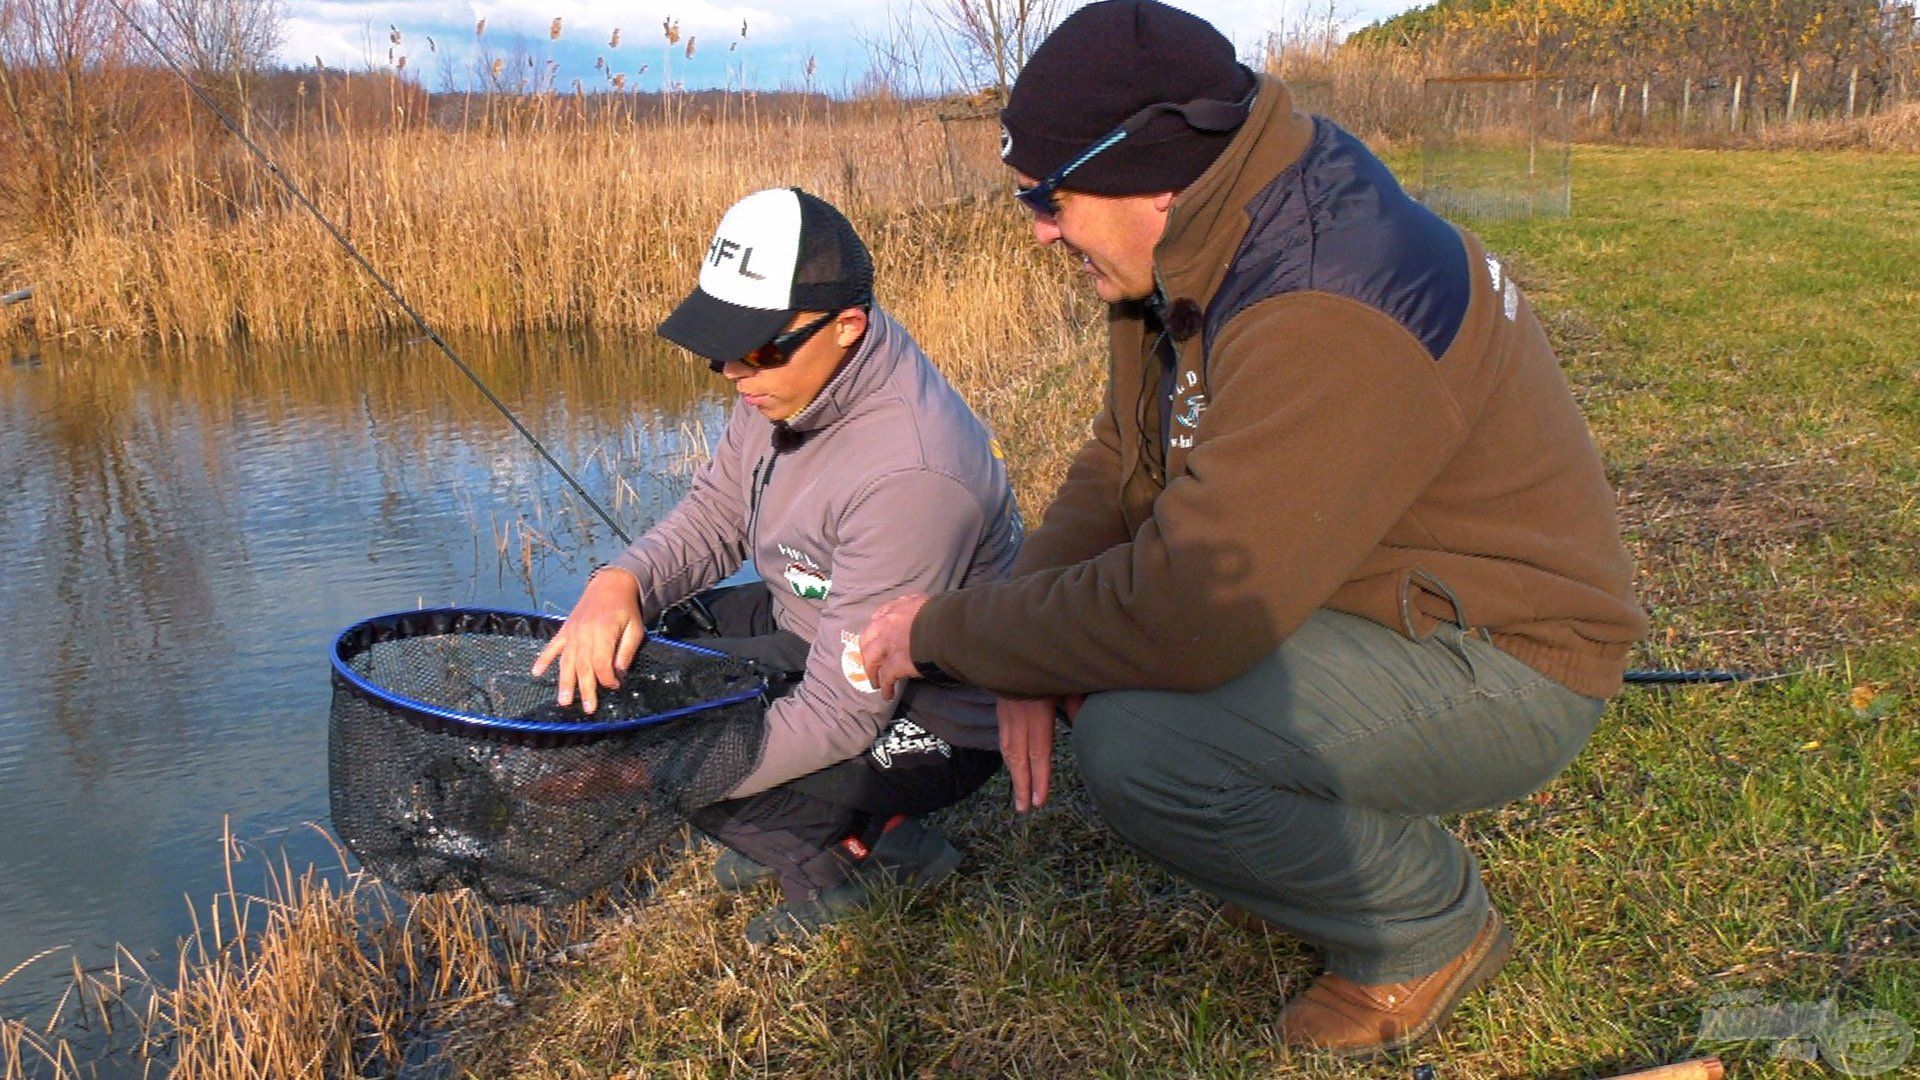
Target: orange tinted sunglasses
[{"x": 781, "y": 349}]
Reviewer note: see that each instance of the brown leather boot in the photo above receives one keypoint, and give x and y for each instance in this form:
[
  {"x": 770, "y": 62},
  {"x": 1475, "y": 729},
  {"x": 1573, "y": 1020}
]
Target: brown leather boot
[{"x": 1354, "y": 1020}]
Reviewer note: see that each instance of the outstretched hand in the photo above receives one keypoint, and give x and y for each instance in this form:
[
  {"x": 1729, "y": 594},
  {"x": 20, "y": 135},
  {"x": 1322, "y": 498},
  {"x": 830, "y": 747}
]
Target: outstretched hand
[
  {"x": 599, "y": 640},
  {"x": 886, "y": 645}
]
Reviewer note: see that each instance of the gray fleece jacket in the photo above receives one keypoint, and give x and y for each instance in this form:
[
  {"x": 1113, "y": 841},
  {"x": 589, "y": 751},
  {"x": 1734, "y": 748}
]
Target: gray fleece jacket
[{"x": 886, "y": 483}]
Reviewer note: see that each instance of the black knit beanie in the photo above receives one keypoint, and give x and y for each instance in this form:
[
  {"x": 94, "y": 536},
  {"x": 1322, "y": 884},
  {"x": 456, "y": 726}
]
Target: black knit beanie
[{"x": 1100, "y": 66}]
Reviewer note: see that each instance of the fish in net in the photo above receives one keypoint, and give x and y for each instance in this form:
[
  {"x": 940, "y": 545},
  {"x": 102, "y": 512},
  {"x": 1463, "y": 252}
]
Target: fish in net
[{"x": 451, "y": 767}]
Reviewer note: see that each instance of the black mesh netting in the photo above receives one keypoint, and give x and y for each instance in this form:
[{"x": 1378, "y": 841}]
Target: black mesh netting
[{"x": 451, "y": 767}]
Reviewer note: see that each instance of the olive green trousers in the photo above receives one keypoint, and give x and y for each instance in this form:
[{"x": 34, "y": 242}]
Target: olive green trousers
[{"x": 1307, "y": 791}]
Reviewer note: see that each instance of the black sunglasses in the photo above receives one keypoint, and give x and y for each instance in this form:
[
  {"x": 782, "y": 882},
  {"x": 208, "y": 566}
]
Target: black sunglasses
[
  {"x": 1207, "y": 114},
  {"x": 781, "y": 349}
]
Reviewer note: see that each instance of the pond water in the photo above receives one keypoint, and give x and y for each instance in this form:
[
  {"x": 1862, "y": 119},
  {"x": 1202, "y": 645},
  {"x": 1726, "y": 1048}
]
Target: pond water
[{"x": 182, "y": 535}]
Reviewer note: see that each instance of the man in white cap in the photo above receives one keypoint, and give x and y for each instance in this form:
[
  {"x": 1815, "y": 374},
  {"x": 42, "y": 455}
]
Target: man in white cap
[
  {"x": 849, "y": 471},
  {"x": 1340, "y": 556}
]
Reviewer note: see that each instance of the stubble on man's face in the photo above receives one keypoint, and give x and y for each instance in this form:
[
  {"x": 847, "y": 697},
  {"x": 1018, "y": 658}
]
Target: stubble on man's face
[{"x": 1113, "y": 237}]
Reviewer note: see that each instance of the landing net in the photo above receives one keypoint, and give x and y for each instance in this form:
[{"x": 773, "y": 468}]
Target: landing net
[{"x": 451, "y": 767}]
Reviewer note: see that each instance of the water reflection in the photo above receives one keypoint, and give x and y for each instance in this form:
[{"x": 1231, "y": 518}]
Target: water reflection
[{"x": 182, "y": 535}]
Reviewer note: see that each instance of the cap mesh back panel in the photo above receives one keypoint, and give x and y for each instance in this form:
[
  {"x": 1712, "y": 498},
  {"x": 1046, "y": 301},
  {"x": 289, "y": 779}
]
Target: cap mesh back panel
[
  {"x": 833, "y": 269},
  {"x": 428, "y": 801}
]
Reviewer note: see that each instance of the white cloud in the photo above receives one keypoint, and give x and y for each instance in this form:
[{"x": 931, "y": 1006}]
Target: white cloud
[{"x": 354, "y": 32}]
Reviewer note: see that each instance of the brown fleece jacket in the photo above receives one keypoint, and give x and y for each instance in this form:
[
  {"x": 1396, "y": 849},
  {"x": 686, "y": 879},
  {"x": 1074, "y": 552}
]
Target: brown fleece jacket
[{"x": 1336, "y": 444}]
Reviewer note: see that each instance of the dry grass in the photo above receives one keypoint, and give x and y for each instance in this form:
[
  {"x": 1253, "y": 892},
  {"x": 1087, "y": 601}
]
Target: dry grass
[
  {"x": 1383, "y": 95},
  {"x": 1896, "y": 130},
  {"x": 598, "y": 225}
]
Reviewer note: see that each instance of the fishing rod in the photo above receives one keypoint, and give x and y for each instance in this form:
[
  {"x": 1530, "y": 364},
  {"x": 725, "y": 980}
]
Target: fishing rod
[
  {"x": 427, "y": 331},
  {"x": 1666, "y": 677}
]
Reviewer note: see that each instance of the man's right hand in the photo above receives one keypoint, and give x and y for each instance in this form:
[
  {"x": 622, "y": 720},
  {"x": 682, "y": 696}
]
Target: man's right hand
[
  {"x": 1026, "y": 744},
  {"x": 599, "y": 640}
]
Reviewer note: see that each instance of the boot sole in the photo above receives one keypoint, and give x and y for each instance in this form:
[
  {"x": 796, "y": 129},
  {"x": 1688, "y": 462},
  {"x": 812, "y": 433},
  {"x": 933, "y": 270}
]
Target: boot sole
[
  {"x": 734, "y": 883},
  {"x": 936, "y": 871},
  {"x": 1471, "y": 977}
]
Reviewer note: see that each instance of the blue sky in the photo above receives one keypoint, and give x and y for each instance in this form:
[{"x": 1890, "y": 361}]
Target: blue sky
[{"x": 437, "y": 36}]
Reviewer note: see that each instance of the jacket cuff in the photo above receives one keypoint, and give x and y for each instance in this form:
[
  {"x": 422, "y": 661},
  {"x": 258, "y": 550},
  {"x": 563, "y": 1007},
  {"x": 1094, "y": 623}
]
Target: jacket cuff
[{"x": 934, "y": 675}]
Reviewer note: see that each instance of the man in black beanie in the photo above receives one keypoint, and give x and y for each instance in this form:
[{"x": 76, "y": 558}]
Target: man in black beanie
[{"x": 1340, "y": 555}]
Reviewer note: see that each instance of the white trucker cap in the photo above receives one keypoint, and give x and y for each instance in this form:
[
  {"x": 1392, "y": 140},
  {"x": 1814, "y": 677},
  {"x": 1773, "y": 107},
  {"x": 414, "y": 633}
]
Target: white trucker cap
[{"x": 777, "y": 252}]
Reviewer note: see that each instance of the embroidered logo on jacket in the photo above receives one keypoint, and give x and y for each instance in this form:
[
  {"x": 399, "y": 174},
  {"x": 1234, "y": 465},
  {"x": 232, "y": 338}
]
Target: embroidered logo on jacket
[
  {"x": 805, "y": 576},
  {"x": 851, "y": 664},
  {"x": 1187, "y": 410},
  {"x": 1509, "y": 293}
]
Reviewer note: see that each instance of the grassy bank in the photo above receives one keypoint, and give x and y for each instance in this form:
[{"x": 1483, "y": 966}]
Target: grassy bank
[{"x": 1740, "y": 329}]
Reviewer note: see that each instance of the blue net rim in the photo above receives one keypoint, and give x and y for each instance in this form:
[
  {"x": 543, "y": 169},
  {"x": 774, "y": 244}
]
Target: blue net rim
[{"x": 505, "y": 621}]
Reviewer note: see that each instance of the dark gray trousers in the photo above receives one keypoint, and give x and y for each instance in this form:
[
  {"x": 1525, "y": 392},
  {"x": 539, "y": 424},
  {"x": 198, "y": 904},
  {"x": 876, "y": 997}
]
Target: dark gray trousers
[
  {"x": 1305, "y": 790},
  {"x": 797, "y": 828}
]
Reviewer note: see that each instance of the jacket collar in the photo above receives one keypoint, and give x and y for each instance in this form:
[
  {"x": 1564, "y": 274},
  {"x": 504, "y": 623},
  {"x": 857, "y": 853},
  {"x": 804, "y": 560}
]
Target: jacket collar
[
  {"x": 1274, "y": 136},
  {"x": 868, "y": 367}
]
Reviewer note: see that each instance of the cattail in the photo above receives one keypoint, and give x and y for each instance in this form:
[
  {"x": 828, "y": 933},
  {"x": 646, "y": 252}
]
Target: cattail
[
  {"x": 732, "y": 45},
  {"x": 553, "y": 30},
  {"x": 393, "y": 34},
  {"x": 642, "y": 71},
  {"x": 401, "y": 63},
  {"x": 672, "y": 27},
  {"x": 690, "y": 40},
  {"x": 479, "y": 28},
  {"x": 743, "y": 28},
  {"x": 813, "y": 65},
  {"x": 619, "y": 82},
  {"x": 614, "y": 42},
  {"x": 431, "y": 47},
  {"x": 599, "y": 63},
  {"x": 498, "y": 63}
]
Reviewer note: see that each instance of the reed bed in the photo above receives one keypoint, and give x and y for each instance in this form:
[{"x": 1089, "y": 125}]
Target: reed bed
[{"x": 599, "y": 225}]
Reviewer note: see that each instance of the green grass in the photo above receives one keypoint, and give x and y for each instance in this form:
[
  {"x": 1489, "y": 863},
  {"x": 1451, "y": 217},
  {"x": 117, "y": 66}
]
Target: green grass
[{"x": 1743, "y": 329}]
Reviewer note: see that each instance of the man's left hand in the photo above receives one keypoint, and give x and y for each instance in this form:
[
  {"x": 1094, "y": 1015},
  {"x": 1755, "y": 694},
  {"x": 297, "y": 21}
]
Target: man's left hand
[{"x": 886, "y": 645}]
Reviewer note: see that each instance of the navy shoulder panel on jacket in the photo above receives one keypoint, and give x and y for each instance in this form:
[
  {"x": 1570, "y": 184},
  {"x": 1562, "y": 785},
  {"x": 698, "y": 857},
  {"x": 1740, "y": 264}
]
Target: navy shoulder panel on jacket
[{"x": 1337, "y": 221}]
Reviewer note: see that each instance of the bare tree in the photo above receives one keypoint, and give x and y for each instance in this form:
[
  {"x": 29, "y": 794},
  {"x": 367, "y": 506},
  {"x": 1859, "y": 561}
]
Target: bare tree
[
  {"x": 990, "y": 40},
  {"x": 221, "y": 37},
  {"x": 225, "y": 41},
  {"x": 897, "y": 63}
]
